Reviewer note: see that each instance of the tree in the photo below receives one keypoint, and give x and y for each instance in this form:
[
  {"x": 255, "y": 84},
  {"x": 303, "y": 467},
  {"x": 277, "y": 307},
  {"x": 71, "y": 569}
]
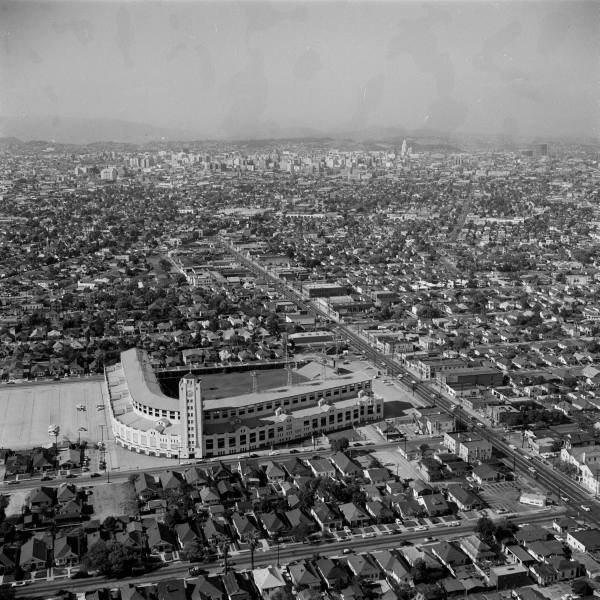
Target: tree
[
  {"x": 486, "y": 528},
  {"x": 195, "y": 551},
  {"x": 96, "y": 558},
  {"x": 110, "y": 525},
  {"x": 419, "y": 571},
  {"x": 340, "y": 444},
  {"x": 281, "y": 594},
  {"x": 111, "y": 558},
  {"x": 7, "y": 592},
  {"x": 272, "y": 325},
  {"x": 252, "y": 542},
  {"x": 580, "y": 587}
]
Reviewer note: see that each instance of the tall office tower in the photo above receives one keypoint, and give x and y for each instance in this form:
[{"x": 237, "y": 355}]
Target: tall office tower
[
  {"x": 541, "y": 149},
  {"x": 403, "y": 150},
  {"x": 191, "y": 411}
]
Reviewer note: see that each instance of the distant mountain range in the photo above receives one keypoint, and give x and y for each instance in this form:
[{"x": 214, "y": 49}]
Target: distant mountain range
[
  {"x": 44, "y": 131},
  {"x": 86, "y": 131}
]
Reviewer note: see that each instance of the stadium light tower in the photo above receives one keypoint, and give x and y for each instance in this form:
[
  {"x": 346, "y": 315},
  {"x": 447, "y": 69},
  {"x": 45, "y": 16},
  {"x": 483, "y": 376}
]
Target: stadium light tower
[{"x": 53, "y": 431}]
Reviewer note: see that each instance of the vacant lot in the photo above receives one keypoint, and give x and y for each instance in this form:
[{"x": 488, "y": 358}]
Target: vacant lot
[
  {"x": 27, "y": 411},
  {"x": 113, "y": 499}
]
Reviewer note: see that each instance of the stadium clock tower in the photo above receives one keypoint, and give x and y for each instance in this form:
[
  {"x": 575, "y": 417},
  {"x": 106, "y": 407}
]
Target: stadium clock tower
[{"x": 191, "y": 411}]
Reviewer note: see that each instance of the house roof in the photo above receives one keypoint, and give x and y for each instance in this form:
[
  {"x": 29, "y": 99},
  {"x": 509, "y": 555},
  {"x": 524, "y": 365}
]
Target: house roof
[
  {"x": 352, "y": 512},
  {"x": 268, "y": 578},
  {"x": 360, "y": 565},
  {"x": 448, "y": 553},
  {"x": 301, "y": 574},
  {"x": 344, "y": 463}
]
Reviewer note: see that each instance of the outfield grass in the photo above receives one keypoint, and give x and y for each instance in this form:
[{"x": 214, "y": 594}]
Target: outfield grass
[{"x": 225, "y": 385}]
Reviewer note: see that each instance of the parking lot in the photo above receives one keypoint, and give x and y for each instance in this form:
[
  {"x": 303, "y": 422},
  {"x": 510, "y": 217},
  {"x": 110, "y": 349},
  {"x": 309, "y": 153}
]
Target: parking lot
[{"x": 26, "y": 411}]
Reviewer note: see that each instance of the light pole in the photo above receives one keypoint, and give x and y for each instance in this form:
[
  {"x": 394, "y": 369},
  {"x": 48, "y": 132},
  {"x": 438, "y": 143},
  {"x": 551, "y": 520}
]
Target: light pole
[
  {"x": 102, "y": 447},
  {"x": 277, "y": 541},
  {"x": 54, "y": 430},
  {"x": 79, "y": 435}
]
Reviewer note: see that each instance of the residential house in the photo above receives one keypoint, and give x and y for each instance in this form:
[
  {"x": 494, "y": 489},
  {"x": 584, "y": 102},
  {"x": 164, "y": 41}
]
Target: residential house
[
  {"x": 543, "y": 550},
  {"x": 543, "y": 574},
  {"x": 160, "y": 538},
  {"x": 464, "y": 499},
  {"x": 65, "y": 493},
  {"x": 476, "y": 549},
  {"x": 485, "y": 473},
  {"x": 299, "y": 521},
  {"x": 273, "y": 524},
  {"x": 274, "y": 473},
  {"x": 146, "y": 487},
  {"x": 354, "y": 515},
  {"x": 205, "y": 588},
  {"x": 171, "y": 480},
  {"x": 170, "y": 589},
  {"x": 303, "y": 576},
  {"x": 362, "y": 567},
  {"x": 209, "y": 496},
  {"x": 244, "y": 528},
  {"x": 435, "y": 505},
  {"x": 236, "y": 586},
  {"x": 345, "y": 465},
  {"x": 41, "y": 498},
  {"x": 325, "y": 517},
  {"x": 334, "y": 576},
  {"x": 565, "y": 568},
  {"x": 449, "y": 555},
  {"x": 269, "y": 581},
  {"x": 196, "y": 477},
  {"x": 321, "y": 467},
  {"x": 392, "y": 567},
  {"x": 185, "y": 534},
  {"x": 379, "y": 512},
  {"x": 68, "y": 550},
  {"x": 34, "y": 555},
  {"x": 377, "y": 475},
  {"x": 69, "y": 459}
]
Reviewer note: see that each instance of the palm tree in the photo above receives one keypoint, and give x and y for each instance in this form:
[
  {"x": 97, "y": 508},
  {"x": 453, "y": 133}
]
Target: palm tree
[
  {"x": 252, "y": 541},
  {"x": 225, "y": 552}
]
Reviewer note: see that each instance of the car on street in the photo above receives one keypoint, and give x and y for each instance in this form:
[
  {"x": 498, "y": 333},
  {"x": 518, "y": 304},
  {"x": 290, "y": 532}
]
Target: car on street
[
  {"x": 586, "y": 507},
  {"x": 95, "y": 475},
  {"x": 348, "y": 551}
]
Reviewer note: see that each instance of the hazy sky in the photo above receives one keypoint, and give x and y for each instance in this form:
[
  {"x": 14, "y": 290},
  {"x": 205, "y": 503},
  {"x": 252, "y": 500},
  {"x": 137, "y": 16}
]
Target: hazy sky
[{"x": 238, "y": 69}]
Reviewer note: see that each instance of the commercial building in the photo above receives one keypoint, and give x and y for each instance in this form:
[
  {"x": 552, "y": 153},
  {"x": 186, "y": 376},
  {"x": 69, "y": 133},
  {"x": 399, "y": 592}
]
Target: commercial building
[
  {"x": 468, "y": 446},
  {"x": 145, "y": 420},
  {"x": 509, "y": 576}
]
